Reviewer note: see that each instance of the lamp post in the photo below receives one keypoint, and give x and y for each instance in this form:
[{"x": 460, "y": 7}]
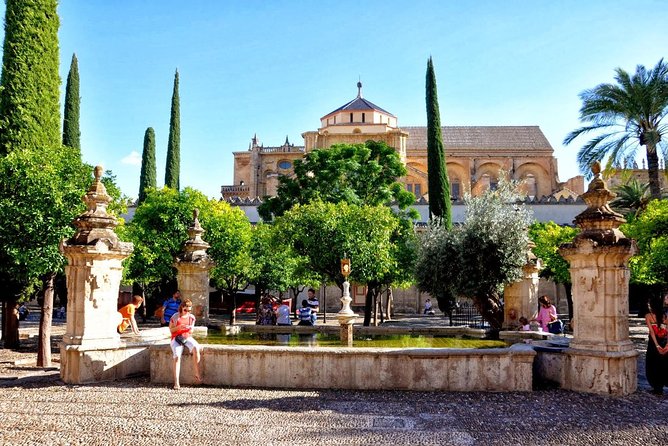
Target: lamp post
[{"x": 346, "y": 316}]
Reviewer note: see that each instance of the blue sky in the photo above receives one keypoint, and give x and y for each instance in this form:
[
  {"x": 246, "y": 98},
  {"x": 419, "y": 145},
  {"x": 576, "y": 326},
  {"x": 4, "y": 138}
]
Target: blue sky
[{"x": 275, "y": 67}]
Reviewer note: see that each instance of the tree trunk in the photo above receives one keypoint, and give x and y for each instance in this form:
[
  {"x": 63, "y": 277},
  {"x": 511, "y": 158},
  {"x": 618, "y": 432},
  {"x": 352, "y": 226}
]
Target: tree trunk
[
  {"x": 44, "y": 348},
  {"x": 368, "y": 303},
  {"x": 10, "y": 324},
  {"x": 569, "y": 301},
  {"x": 653, "y": 171},
  {"x": 233, "y": 310},
  {"x": 375, "y": 309},
  {"x": 389, "y": 303},
  {"x": 490, "y": 310}
]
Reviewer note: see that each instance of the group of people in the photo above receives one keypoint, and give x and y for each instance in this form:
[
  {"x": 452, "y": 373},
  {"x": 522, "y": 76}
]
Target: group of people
[
  {"x": 546, "y": 317},
  {"x": 177, "y": 315},
  {"x": 307, "y": 314}
]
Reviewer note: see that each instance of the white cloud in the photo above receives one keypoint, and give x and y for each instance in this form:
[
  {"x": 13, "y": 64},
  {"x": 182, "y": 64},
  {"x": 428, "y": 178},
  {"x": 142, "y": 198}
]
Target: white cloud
[{"x": 134, "y": 159}]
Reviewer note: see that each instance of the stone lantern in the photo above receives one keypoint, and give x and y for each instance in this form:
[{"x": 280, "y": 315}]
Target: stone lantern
[
  {"x": 601, "y": 357},
  {"x": 193, "y": 265}
]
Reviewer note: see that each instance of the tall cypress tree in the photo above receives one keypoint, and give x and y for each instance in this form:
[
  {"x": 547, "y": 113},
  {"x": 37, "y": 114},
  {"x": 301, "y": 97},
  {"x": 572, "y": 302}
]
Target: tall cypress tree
[
  {"x": 29, "y": 102},
  {"x": 71, "y": 132},
  {"x": 174, "y": 143},
  {"x": 148, "y": 167},
  {"x": 439, "y": 187}
]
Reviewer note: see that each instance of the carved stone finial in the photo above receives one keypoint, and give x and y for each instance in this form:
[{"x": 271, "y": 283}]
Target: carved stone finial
[
  {"x": 95, "y": 224},
  {"x": 599, "y": 222},
  {"x": 194, "y": 249}
]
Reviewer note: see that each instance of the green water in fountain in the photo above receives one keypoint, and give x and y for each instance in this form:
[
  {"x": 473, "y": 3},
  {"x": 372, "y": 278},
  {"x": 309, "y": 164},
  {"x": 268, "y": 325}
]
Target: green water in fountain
[{"x": 327, "y": 340}]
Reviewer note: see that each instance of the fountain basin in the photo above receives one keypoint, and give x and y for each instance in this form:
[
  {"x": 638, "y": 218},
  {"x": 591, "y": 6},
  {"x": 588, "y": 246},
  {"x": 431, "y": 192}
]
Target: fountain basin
[{"x": 424, "y": 369}]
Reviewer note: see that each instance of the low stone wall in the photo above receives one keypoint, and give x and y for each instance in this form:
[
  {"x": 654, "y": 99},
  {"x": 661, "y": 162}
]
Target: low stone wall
[{"x": 425, "y": 369}]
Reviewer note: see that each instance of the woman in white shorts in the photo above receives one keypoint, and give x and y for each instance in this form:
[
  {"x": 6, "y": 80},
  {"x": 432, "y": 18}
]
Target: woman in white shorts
[{"x": 181, "y": 326}]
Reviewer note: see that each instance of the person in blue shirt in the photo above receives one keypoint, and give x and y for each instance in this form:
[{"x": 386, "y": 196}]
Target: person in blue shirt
[
  {"x": 170, "y": 307},
  {"x": 306, "y": 314}
]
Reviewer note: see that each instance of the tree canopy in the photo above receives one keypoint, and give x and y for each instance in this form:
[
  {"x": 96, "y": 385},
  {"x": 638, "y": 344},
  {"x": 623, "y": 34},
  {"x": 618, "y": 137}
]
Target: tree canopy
[
  {"x": 30, "y": 97},
  {"x": 71, "y": 131},
  {"x": 160, "y": 227},
  {"x": 624, "y": 116},
  {"x": 650, "y": 230},
  {"x": 353, "y": 173},
  {"x": 147, "y": 178},
  {"x": 173, "y": 165},
  {"x": 477, "y": 259},
  {"x": 437, "y": 175}
]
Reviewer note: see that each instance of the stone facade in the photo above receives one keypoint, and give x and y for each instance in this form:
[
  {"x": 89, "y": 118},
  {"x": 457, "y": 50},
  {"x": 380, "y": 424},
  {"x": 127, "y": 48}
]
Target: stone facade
[{"x": 475, "y": 155}]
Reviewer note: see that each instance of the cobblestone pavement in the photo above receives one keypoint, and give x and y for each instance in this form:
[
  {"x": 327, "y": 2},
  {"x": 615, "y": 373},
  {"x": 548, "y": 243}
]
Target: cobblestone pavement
[{"x": 37, "y": 409}]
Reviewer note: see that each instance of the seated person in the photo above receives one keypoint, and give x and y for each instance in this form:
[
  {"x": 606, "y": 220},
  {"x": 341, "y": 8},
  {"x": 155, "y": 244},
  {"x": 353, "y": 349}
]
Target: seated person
[
  {"x": 306, "y": 314},
  {"x": 128, "y": 315},
  {"x": 524, "y": 324},
  {"x": 312, "y": 300}
]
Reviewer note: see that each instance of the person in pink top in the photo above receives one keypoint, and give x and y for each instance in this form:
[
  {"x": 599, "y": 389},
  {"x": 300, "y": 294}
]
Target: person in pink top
[
  {"x": 546, "y": 314},
  {"x": 181, "y": 326}
]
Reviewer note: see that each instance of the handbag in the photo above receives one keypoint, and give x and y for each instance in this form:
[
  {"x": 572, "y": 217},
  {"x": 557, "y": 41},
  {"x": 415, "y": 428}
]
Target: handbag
[
  {"x": 180, "y": 340},
  {"x": 555, "y": 327}
]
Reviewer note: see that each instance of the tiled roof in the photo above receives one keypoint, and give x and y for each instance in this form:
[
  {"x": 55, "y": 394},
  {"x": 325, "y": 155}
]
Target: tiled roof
[
  {"x": 359, "y": 103},
  {"x": 481, "y": 137}
]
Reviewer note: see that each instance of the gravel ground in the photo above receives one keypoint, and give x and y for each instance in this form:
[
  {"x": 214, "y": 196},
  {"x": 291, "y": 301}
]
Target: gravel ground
[{"x": 37, "y": 409}]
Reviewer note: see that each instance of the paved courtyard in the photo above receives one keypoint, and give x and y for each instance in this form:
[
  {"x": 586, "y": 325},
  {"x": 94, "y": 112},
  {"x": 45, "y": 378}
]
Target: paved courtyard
[{"x": 37, "y": 408}]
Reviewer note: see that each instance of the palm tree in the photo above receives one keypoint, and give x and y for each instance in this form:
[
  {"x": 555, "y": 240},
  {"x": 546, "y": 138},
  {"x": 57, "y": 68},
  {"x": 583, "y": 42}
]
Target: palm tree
[
  {"x": 628, "y": 114},
  {"x": 632, "y": 198}
]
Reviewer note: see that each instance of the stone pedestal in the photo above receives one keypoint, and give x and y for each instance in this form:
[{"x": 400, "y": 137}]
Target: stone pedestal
[
  {"x": 94, "y": 255},
  {"x": 521, "y": 298},
  {"x": 193, "y": 265},
  {"x": 601, "y": 357},
  {"x": 346, "y": 317}
]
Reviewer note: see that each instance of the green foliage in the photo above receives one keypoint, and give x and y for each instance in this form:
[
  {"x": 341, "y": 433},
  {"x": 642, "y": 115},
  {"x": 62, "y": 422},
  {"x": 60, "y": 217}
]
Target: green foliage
[
  {"x": 173, "y": 168},
  {"x": 71, "y": 132},
  {"x": 40, "y": 195},
  {"x": 29, "y": 100},
  {"x": 439, "y": 186},
  {"x": 650, "y": 230},
  {"x": 160, "y": 227},
  {"x": 358, "y": 174},
  {"x": 147, "y": 179},
  {"x": 632, "y": 198},
  {"x": 478, "y": 258},
  {"x": 625, "y": 116},
  {"x": 119, "y": 201},
  {"x": 548, "y": 237},
  {"x": 275, "y": 266},
  {"x": 326, "y": 232}
]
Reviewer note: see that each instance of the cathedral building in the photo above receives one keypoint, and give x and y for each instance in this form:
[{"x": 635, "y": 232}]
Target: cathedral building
[{"x": 475, "y": 155}]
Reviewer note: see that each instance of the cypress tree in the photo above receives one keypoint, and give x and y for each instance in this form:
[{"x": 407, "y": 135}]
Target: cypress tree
[
  {"x": 29, "y": 101},
  {"x": 174, "y": 143},
  {"x": 71, "y": 132},
  {"x": 437, "y": 178},
  {"x": 148, "y": 167}
]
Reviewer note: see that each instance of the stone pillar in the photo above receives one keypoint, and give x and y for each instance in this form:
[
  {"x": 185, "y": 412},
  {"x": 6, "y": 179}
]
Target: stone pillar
[
  {"x": 601, "y": 357},
  {"x": 193, "y": 265},
  {"x": 521, "y": 298},
  {"x": 94, "y": 255}
]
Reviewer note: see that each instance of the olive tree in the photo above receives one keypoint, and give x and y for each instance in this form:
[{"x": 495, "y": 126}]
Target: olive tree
[{"x": 478, "y": 258}]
